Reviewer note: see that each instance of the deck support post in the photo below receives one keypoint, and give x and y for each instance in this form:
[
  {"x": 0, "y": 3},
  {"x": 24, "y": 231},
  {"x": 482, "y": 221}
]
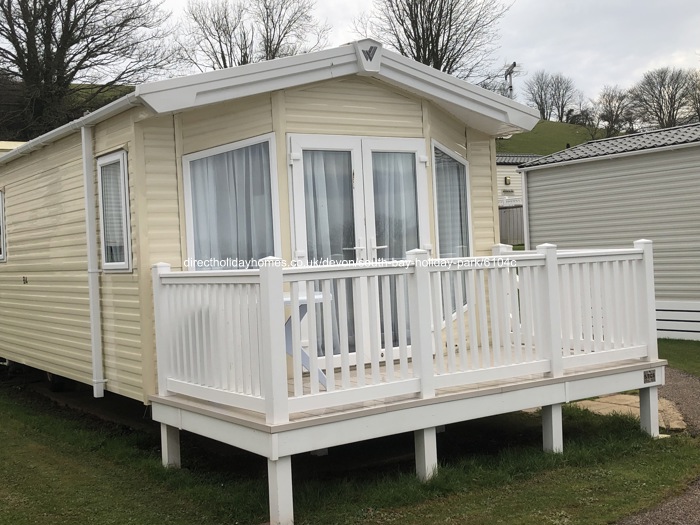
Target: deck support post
[
  {"x": 279, "y": 481},
  {"x": 170, "y": 445},
  {"x": 649, "y": 410},
  {"x": 426, "y": 453},
  {"x": 552, "y": 431}
]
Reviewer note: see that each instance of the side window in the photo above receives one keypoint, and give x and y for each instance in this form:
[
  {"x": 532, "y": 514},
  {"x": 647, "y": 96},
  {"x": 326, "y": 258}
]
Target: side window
[
  {"x": 114, "y": 211},
  {"x": 3, "y": 255},
  {"x": 230, "y": 204},
  {"x": 452, "y": 203}
]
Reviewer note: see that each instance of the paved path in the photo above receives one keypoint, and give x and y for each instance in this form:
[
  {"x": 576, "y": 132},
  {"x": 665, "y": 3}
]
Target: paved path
[{"x": 684, "y": 390}]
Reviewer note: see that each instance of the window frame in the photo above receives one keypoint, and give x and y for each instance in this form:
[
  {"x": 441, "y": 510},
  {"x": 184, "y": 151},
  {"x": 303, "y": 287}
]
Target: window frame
[
  {"x": 122, "y": 158},
  {"x": 434, "y": 144},
  {"x": 3, "y": 233},
  {"x": 360, "y": 148},
  {"x": 274, "y": 185}
]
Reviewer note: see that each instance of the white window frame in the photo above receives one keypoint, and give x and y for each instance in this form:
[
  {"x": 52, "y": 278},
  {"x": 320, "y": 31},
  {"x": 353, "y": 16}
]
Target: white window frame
[
  {"x": 274, "y": 185},
  {"x": 470, "y": 225},
  {"x": 120, "y": 157},
  {"x": 3, "y": 233},
  {"x": 361, "y": 148}
]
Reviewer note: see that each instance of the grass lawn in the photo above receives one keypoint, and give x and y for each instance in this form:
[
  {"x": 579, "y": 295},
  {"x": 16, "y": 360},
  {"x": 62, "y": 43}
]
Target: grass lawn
[
  {"x": 683, "y": 355},
  {"x": 60, "y": 467},
  {"x": 546, "y": 137}
]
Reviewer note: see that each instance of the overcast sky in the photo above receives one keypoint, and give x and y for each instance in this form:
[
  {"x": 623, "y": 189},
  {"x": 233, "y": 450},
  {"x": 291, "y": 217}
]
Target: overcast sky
[{"x": 595, "y": 42}]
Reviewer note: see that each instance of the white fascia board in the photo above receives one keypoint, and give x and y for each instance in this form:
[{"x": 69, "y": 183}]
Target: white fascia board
[
  {"x": 113, "y": 108},
  {"x": 243, "y": 81},
  {"x": 480, "y": 108}
]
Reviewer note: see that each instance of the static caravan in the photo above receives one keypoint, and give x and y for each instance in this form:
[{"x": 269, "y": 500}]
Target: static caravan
[
  {"x": 642, "y": 185},
  {"x": 297, "y": 254},
  {"x": 510, "y": 196}
]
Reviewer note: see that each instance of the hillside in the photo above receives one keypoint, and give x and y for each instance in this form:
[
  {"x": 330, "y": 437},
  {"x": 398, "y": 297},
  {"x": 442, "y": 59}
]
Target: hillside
[{"x": 547, "y": 137}]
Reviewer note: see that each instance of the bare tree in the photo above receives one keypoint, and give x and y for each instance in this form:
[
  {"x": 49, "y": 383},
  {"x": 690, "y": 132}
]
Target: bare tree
[
  {"x": 614, "y": 110},
  {"x": 562, "y": 94},
  {"x": 216, "y": 35},
  {"x": 67, "y": 55},
  {"x": 694, "y": 98},
  {"x": 222, "y": 33},
  {"x": 287, "y": 27},
  {"x": 538, "y": 93},
  {"x": 662, "y": 97},
  {"x": 455, "y": 36}
]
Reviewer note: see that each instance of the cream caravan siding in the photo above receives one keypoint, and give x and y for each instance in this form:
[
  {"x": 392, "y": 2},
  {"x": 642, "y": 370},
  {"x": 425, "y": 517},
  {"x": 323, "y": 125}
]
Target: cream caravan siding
[
  {"x": 614, "y": 202},
  {"x": 121, "y": 316},
  {"x": 515, "y": 189},
  {"x": 480, "y": 154},
  {"x": 44, "y": 316},
  {"x": 224, "y": 123},
  {"x": 353, "y": 106}
]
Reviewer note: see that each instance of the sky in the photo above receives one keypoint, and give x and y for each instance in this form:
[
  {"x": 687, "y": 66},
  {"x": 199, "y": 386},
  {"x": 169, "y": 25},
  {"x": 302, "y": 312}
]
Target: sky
[{"x": 595, "y": 42}]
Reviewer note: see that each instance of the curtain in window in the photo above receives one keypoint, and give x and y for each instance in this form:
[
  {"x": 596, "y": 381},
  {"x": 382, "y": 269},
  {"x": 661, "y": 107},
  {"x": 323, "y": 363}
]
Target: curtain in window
[
  {"x": 232, "y": 205},
  {"x": 395, "y": 203},
  {"x": 113, "y": 213},
  {"x": 330, "y": 226},
  {"x": 451, "y": 190},
  {"x": 330, "y": 223}
]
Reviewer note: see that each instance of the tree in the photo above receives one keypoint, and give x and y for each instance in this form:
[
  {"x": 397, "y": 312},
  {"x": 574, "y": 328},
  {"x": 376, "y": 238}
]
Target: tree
[
  {"x": 455, "y": 36},
  {"x": 219, "y": 33},
  {"x": 538, "y": 93},
  {"x": 216, "y": 35},
  {"x": 694, "y": 98},
  {"x": 614, "y": 110},
  {"x": 662, "y": 97},
  {"x": 562, "y": 95},
  {"x": 67, "y": 55}
]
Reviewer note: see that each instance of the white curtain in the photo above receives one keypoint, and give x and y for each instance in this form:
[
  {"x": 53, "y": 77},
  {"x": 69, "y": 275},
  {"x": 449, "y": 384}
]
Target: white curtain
[
  {"x": 330, "y": 224},
  {"x": 232, "y": 204},
  {"x": 395, "y": 203},
  {"x": 451, "y": 190},
  {"x": 112, "y": 212}
]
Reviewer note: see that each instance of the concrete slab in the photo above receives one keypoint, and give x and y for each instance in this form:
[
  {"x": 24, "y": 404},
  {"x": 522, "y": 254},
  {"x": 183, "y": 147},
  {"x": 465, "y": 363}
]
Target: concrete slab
[{"x": 670, "y": 417}]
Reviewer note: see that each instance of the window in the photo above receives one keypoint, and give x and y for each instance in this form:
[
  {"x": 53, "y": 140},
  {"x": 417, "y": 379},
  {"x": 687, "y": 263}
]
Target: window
[
  {"x": 452, "y": 204},
  {"x": 114, "y": 211},
  {"x": 2, "y": 226},
  {"x": 230, "y": 197}
]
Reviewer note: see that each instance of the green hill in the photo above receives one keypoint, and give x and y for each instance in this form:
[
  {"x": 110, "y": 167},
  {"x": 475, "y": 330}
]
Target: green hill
[{"x": 546, "y": 137}]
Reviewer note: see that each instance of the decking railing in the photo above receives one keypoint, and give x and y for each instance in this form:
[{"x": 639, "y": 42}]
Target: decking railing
[{"x": 280, "y": 340}]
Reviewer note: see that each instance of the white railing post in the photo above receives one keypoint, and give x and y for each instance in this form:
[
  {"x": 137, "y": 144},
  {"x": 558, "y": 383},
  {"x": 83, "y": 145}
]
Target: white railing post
[
  {"x": 549, "y": 309},
  {"x": 273, "y": 354},
  {"x": 421, "y": 341},
  {"x": 163, "y": 332},
  {"x": 647, "y": 298},
  {"x": 502, "y": 249}
]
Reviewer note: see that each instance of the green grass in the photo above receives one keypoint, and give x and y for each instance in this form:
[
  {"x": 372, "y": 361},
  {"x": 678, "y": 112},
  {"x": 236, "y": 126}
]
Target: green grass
[
  {"x": 546, "y": 137},
  {"x": 683, "y": 355},
  {"x": 60, "y": 467}
]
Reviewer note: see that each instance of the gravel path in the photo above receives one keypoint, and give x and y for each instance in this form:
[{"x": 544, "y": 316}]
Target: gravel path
[{"x": 684, "y": 390}]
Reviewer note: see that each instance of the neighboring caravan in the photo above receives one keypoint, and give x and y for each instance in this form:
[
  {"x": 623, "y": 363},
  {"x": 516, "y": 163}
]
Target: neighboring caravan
[
  {"x": 510, "y": 196},
  {"x": 296, "y": 254},
  {"x": 644, "y": 185}
]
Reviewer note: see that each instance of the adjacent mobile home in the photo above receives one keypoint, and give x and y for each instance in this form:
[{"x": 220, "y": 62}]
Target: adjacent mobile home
[
  {"x": 297, "y": 254},
  {"x": 642, "y": 185}
]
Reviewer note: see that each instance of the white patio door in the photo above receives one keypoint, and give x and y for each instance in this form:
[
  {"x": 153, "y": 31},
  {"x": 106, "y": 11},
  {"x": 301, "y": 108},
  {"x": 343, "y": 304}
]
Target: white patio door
[{"x": 358, "y": 199}]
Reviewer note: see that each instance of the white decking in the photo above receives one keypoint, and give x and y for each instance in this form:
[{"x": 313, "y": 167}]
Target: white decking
[{"x": 243, "y": 359}]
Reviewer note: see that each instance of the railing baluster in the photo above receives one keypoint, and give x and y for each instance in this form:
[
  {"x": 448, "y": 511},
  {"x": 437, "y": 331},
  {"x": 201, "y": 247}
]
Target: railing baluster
[
  {"x": 486, "y": 345},
  {"x": 359, "y": 289},
  {"x": 374, "y": 329},
  {"x": 295, "y": 321},
  {"x": 587, "y": 318},
  {"x": 576, "y": 298},
  {"x": 388, "y": 333},
  {"x": 597, "y": 288},
  {"x": 515, "y": 309},
  {"x": 328, "y": 334},
  {"x": 495, "y": 317},
  {"x": 459, "y": 310},
  {"x": 403, "y": 327},
  {"x": 472, "y": 305},
  {"x": 444, "y": 280},
  {"x": 436, "y": 303},
  {"x": 343, "y": 333},
  {"x": 526, "y": 314},
  {"x": 313, "y": 338}
]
